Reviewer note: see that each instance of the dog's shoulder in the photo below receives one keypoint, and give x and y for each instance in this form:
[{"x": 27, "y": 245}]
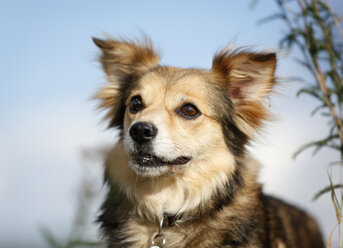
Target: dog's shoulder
[{"x": 291, "y": 225}]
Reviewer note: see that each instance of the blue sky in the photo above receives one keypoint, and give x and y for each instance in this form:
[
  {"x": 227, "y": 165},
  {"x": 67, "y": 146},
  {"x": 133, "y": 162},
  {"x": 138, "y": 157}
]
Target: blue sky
[{"x": 49, "y": 72}]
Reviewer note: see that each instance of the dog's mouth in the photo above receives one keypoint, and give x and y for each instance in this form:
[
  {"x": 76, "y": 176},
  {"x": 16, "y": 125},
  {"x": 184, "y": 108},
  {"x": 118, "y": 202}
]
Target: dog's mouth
[{"x": 147, "y": 159}]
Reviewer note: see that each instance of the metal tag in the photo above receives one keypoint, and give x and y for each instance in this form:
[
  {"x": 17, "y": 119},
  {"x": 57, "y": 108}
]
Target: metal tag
[
  {"x": 162, "y": 241},
  {"x": 159, "y": 237}
]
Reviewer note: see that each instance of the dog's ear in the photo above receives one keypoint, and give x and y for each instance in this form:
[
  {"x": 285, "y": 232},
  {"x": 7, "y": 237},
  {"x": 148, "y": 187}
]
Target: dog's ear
[
  {"x": 247, "y": 77},
  {"x": 122, "y": 61}
]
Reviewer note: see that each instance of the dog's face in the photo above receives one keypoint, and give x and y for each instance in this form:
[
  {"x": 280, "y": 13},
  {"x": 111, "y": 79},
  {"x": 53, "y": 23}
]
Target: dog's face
[
  {"x": 168, "y": 119},
  {"x": 171, "y": 118}
]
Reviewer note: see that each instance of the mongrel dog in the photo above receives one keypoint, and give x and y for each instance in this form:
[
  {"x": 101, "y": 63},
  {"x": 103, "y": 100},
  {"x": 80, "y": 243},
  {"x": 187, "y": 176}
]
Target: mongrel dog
[{"x": 180, "y": 175}]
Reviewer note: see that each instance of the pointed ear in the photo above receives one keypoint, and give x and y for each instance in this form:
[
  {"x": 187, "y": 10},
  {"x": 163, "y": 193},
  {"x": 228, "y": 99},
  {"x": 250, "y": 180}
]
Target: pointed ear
[
  {"x": 122, "y": 59},
  {"x": 247, "y": 77},
  {"x": 122, "y": 62}
]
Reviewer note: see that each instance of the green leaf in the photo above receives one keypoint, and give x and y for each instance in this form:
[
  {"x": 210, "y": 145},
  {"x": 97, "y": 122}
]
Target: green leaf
[
  {"x": 334, "y": 198},
  {"x": 326, "y": 190},
  {"x": 335, "y": 147},
  {"x": 334, "y": 163},
  {"x": 323, "y": 6},
  {"x": 327, "y": 114},
  {"x": 333, "y": 130},
  {"x": 49, "y": 238},
  {"x": 294, "y": 79},
  {"x": 312, "y": 91},
  {"x": 313, "y": 49},
  {"x": 317, "y": 144},
  {"x": 317, "y": 109},
  {"x": 304, "y": 63},
  {"x": 287, "y": 41},
  {"x": 253, "y": 3},
  {"x": 271, "y": 18}
]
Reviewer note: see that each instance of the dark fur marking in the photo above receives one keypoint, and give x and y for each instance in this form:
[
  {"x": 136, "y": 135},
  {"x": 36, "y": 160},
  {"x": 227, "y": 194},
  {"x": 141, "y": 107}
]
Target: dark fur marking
[
  {"x": 169, "y": 220},
  {"x": 111, "y": 220},
  {"x": 241, "y": 232},
  {"x": 125, "y": 88},
  {"x": 103, "y": 44},
  {"x": 263, "y": 57},
  {"x": 222, "y": 198},
  {"x": 235, "y": 139},
  {"x": 266, "y": 219},
  {"x": 241, "y": 235},
  {"x": 226, "y": 196}
]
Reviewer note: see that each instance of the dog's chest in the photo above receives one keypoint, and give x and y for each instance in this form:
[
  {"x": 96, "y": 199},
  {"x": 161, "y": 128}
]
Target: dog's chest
[{"x": 146, "y": 236}]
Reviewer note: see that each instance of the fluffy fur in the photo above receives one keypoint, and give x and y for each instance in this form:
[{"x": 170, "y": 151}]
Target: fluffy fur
[{"x": 186, "y": 163}]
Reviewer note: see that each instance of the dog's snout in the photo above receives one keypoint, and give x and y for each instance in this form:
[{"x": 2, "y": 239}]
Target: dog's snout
[{"x": 142, "y": 132}]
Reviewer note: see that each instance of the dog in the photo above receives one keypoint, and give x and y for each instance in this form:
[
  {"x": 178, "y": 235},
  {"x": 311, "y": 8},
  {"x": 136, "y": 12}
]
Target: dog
[{"x": 180, "y": 175}]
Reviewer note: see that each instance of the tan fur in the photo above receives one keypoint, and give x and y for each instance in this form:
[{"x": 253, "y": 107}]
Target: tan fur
[
  {"x": 120, "y": 59},
  {"x": 214, "y": 197},
  {"x": 250, "y": 80},
  {"x": 152, "y": 197}
]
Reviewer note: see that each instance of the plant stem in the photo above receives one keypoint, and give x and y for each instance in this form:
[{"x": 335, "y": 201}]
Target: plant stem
[
  {"x": 319, "y": 75},
  {"x": 336, "y": 19},
  {"x": 340, "y": 235}
]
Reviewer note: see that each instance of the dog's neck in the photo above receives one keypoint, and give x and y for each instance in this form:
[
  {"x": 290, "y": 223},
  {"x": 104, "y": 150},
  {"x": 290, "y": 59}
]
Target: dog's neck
[{"x": 182, "y": 196}]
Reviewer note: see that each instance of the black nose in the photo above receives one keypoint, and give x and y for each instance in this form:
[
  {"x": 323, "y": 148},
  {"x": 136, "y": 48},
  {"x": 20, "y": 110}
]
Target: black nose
[{"x": 142, "y": 132}]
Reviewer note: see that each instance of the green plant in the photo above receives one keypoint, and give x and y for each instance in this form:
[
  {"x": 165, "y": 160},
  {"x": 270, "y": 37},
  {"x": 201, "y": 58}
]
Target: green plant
[{"x": 314, "y": 29}]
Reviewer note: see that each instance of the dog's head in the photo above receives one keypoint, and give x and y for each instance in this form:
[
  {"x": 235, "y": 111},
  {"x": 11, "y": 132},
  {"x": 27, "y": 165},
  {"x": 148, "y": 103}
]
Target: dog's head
[{"x": 171, "y": 117}]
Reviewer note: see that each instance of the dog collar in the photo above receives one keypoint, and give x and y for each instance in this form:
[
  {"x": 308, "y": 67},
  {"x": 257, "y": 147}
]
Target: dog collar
[
  {"x": 159, "y": 240},
  {"x": 169, "y": 220}
]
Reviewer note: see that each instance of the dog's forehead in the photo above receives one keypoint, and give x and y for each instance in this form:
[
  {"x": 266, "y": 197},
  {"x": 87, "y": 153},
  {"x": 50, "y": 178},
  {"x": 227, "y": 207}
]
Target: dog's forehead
[{"x": 171, "y": 80}]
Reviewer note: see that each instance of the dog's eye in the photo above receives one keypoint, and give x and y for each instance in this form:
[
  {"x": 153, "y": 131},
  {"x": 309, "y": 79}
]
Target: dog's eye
[
  {"x": 136, "y": 104},
  {"x": 189, "y": 111}
]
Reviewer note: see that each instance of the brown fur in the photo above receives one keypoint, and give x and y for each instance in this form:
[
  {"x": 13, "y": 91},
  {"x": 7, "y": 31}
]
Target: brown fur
[{"x": 214, "y": 200}]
